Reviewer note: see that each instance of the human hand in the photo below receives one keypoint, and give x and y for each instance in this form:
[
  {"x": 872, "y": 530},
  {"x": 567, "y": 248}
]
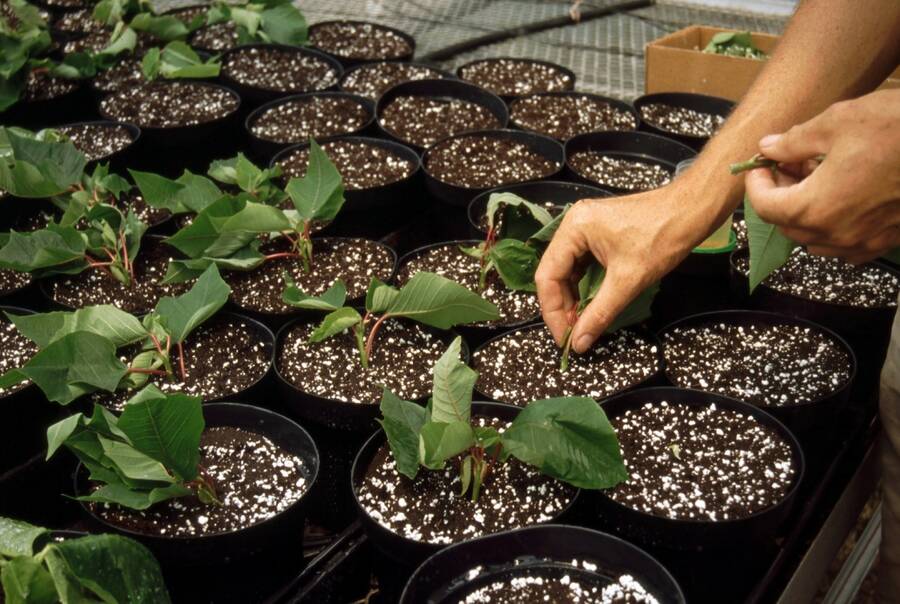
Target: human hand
[{"x": 849, "y": 205}]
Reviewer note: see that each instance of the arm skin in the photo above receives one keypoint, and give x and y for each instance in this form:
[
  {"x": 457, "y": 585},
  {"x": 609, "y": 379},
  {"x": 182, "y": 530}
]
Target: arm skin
[{"x": 830, "y": 51}]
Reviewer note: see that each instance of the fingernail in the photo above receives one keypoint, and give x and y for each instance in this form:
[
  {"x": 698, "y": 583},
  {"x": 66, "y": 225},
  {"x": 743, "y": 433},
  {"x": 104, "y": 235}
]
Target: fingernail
[
  {"x": 583, "y": 343},
  {"x": 770, "y": 140}
]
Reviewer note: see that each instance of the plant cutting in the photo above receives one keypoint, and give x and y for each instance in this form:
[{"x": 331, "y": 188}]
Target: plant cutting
[
  {"x": 734, "y": 44},
  {"x": 275, "y": 21},
  {"x": 177, "y": 60},
  {"x": 79, "y": 351},
  {"x": 427, "y": 298},
  {"x": 35, "y": 568}
]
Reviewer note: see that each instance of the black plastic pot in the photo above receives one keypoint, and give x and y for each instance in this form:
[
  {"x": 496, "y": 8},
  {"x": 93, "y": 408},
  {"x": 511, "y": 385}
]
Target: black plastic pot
[
  {"x": 557, "y": 192},
  {"x": 654, "y": 379},
  {"x": 620, "y": 105},
  {"x": 74, "y": 106},
  {"x": 170, "y": 151},
  {"x": 548, "y": 550},
  {"x": 352, "y": 61},
  {"x": 635, "y": 146},
  {"x": 814, "y": 422},
  {"x": 475, "y": 335},
  {"x": 342, "y": 83},
  {"x": 698, "y": 102},
  {"x": 441, "y": 90},
  {"x": 253, "y": 96},
  {"x": 697, "y": 535},
  {"x": 375, "y": 211},
  {"x": 121, "y": 159},
  {"x": 398, "y": 556},
  {"x": 868, "y": 330},
  {"x": 226, "y": 566},
  {"x": 265, "y": 150},
  {"x": 460, "y": 197},
  {"x": 511, "y": 97}
]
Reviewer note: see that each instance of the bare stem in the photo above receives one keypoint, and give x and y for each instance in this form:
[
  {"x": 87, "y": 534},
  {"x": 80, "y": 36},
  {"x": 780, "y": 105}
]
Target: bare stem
[
  {"x": 181, "y": 362},
  {"x": 567, "y": 340},
  {"x": 146, "y": 371},
  {"x": 759, "y": 161},
  {"x": 370, "y": 342}
]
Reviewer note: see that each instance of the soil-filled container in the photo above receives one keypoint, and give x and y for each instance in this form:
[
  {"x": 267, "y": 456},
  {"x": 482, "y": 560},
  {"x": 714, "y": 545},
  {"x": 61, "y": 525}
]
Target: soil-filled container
[
  {"x": 326, "y": 388},
  {"x": 356, "y": 42},
  {"x": 380, "y": 180},
  {"x": 516, "y": 496},
  {"x": 74, "y": 24},
  {"x": 683, "y": 116},
  {"x": 524, "y": 365},
  {"x": 104, "y": 141},
  {"x": 264, "y": 72},
  {"x": 355, "y": 261},
  {"x": 552, "y": 194},
  {"x": 293, "y": 120},
  {"x": 797, "y": 370},
  {"x": 858, "y": 303},
  {"x": 562, "y": 115},
  {"x": 371, "y": 80},
  {"x": 184, "y": 124},
  {"x": 707, "y": 472},
  {"x": 510, "y": 77},
  {"x": 49, "y": 101},
  {"x": 232, "y": 552},
  {"x": 423, "y": 112},
  {"x": 624, "y": 162},
  {"x": 571, "y": 563}
]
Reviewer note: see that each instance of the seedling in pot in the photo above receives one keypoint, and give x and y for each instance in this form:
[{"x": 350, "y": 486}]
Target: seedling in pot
[
  {"x": 227, "y": 232},
  {"x": 588, "y": 286},
  {"x": 177, "y": 60},
  {"x": 78, "y": 351},
  {"x": 276, "y": 21},
  {"x": 569, "y": 438},
  {"x": 426, "y": 298},
  {"x": 261, "y": 185},
  {"x": 526, "y": 227},
  {"x": 36, "y": 568},
  {"x": 149, "y": 454}
]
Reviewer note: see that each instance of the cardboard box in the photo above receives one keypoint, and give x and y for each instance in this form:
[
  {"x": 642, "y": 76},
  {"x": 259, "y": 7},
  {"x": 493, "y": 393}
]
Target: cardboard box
[{"x": 677, "y": 63}]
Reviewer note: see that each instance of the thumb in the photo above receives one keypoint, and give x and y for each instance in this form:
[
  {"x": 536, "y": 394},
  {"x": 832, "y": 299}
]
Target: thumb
[
  {"x": 802, "y": 142},
  {"x": 618, "y": 289}
]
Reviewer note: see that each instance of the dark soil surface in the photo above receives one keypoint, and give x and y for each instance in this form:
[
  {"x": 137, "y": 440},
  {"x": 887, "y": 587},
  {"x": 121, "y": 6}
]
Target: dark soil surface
[
  {"x": 124, "y": 74},
  {"x": 170, "y": 104},
  {"x": 680, "y": 120},
  {"x": 98, "y": 141},
  {"x": 429, "y": 509},
  {"x": 832, "y": 280},
  {"x": 44, "y": 87},
  {"x": 513, "y": 77},
  {"x": 67, "y": 4},
  {"x": 562, "y": 117},
  {"x": 620, "y": 173},
  {"x": 254, "y": 478},
  {"x": 217, "y": 38},
  {"x": 451, "y": 262},
  {"x": 558, "y": 585},
  {"x": 481, "y": 162},
  {"x": 15, "y": 351},
  {"x": 147, "y": 213},
  {"x": 375, "y": 79},
  {"x": 700, "y": 463},
  {"x": 79, "y": 21},
  {"x": 772, "y": 366},
  {"x": 366, "y": 41},
  {"x": 313, "y": 117},
  {"x": 423, "y": 120},
  {"x": 402, "y": 360},
  {"x": 95, "y": 286},
  {"x": 278, "y": 69},
  {"x": 11, "y": 280},
  {"x": 353, "y": 261},
  {"x": 523, "y": 366},
  {"x": 362, "y": 165}
]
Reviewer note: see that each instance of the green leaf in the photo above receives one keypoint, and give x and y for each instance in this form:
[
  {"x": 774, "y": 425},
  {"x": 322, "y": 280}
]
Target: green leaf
[
  {"x": 510, "y": 200},
  {"x": 486, "y": 436},
  {"x": 132, "y": 464},
  {"x": 284, "y": 24},
  {"x": 769, "y": 248},
  {"x": 516, "y": 263},
  {"x": 26, "y": 581},
  {"x": 39, "y": 168},
  {"x": 124, "y": 41},
  {"x": 453, "y": 383},
  {"x": 439, "y": 302},
  {"x": 334, "y": 323},
  {"x": 439, "y": 441},
  {"x": 465, "y": 475},
  {"x": 546, "y": 233},
  {"x": 178, "y": 60},
  {"x": 164, "y": 27},
  {"x": 332, "y": 299},
  {"x": 114, "y": 568},
  {"x": 166, "y": 428},
  {"x": 189, "y": 193},
  {"x": 17, "y": 538},
  {"x": 402, "y": 422},
  {"x": 50, "y": 251},
  {"x": 319, "y": 195},
  {"x": 380, "y": 296},
  {"x": 182, "y": 314},
  {"x": 569, "y": 439},
  {"x": 61, "y": 431},
  {"x": 120, "y": 494},
  {"x": 248, "y": 19},
  {"x": 637, "y": 311},
  {"x": 74, "y": 365},
  {"x": 150, "y": 63},
  {"x": 116, "y": 325}
]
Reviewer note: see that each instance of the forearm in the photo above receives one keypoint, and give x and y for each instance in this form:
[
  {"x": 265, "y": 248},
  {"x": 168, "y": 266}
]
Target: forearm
[{"x": 832, "y": 50}]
